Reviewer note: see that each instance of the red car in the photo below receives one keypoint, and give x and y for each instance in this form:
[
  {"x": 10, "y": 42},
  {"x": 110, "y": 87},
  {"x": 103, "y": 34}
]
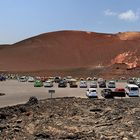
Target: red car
[{"x": 119, "y": 92}]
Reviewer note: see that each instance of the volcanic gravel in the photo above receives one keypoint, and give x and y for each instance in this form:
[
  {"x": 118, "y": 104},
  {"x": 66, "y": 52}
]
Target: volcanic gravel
[{"x": 72, "y": 118}]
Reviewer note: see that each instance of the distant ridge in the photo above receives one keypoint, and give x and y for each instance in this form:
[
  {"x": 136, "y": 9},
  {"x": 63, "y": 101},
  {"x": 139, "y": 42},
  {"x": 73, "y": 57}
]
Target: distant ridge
[{"x": 71, "y": 49}]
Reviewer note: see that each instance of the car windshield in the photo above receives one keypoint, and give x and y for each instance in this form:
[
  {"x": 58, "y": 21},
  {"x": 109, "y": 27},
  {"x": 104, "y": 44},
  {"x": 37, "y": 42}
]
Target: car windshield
[
  {"x": 93, "y": 83},
  {"x": 112, "y": 82},
  {"x": 83, "y": 82},
  {"x": 92, "y": 90},
  {"x": 134, "y": 88},
  {"x": 107, "y": 90}
]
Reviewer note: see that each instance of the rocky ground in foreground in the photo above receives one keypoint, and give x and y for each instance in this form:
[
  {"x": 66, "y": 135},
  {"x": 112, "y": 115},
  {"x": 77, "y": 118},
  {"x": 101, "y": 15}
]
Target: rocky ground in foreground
[{"x": 72, "y": 118}]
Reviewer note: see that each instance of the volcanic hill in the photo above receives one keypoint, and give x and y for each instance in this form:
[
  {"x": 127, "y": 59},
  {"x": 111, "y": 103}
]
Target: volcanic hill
[{"x": 71, "y": 50}]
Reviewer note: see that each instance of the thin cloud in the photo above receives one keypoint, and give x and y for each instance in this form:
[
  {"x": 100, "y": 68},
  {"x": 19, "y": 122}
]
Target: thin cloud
[
  {"x": 129, "y": 16},
  {"x": 108, "y": 12}
]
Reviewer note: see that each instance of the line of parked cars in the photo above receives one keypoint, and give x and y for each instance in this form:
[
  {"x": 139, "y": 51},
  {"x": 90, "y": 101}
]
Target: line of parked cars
[{"x": 131, "y": 90}]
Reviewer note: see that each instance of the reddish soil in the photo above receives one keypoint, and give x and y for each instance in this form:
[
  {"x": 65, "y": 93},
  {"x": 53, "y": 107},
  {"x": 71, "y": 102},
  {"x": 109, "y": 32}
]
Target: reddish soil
[{"x": 66, "y": 51}]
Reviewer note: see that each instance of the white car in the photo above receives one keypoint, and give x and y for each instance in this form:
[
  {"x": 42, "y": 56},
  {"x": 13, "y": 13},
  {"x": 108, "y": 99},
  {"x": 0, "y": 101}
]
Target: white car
[
  {"x": 92, "y": 93},
  {"x": 48, "y": 84},
  {"x": 83, "y": 84},
  {"x": 31, "y": 79},
  {"x": 111, "y": 84},
  {"x": 132, "y": 90},
  {"x": 22, "y": 79}
]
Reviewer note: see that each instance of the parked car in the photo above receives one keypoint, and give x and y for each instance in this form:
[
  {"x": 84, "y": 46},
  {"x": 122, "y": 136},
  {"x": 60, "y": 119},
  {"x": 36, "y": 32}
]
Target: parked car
[
  {"x": 92, "y": 93},
  {"x": 57, "y": 79},
  {"x": 73, "y": 83},
  {"x": 51, "y": 79},
  {"x": 2, "y": 78},
  {"x": 132, "y": 90},
  {"x": 62, "y": 84},
  {"x": 107, "y": 93},
  {"x": 119, "y": 92},
  {"x": 43, "y": 78},
  {"x": 83, "y": 84},
  {"x": 93, "y": 84},
  {"x": 137, "y": 82},
  {"x": 22, "y": 79},
  {"x": 48, "y": 84},
  {"x": 31, "y": 79},
  {"x": 38, "y": 83},
  {"x": 131, "y": 81},
  {"x": 68, "y": 78},
  {"x": 111, "y": 84},
  {"x": 102, "y": 84},
  {"x": 100, "y": 80}
]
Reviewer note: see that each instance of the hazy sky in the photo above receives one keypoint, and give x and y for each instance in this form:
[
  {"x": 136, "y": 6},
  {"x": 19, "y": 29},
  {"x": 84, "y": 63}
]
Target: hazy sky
[{"x": 20, "y": 19}]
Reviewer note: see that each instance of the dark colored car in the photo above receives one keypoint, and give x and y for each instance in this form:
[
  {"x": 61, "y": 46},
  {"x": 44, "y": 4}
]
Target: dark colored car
[
  {"x": 137, "y": 83},
  {"x": 62, "y": 84},
  {"x": 57, "y": 79},
  {"x": 107, "y": 93},
  {"x": 131, "y": 81},
  {"x": 2, "y": 78},
  {"x": 102, "y": 84}
]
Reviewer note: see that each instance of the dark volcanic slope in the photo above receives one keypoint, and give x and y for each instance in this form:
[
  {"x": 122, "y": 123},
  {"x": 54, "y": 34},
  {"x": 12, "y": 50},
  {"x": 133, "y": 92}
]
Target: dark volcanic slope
[
  {"x": 72, "y": 118},
  {"x": 71, "y": 49}
]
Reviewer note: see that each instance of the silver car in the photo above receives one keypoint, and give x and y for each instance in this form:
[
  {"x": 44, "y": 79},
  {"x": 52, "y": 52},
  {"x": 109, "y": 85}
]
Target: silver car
[
  {"x": 93, "y": 84},
  {"x": 92, "y": 93},
  {"x": 83, "y": 84}
]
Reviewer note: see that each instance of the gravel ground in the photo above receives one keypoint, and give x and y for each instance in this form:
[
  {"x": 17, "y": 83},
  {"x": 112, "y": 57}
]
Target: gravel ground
[{"x": 72, "y": 118}]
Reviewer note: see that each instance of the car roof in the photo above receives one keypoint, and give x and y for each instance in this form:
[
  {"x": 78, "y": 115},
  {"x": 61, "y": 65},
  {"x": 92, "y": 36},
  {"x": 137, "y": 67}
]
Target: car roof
[
  {"x": 48, "y": 81},
  {"x": 83, "y": 81},
  {"x": 94, "y": 81},
  {"x": 107, "y": 89},
  {"x": 73, "y": 80},
  {"x": 132, "y": 85},
  {"x": 92, "y": 89},
  {"x": 112, "y": 81}
]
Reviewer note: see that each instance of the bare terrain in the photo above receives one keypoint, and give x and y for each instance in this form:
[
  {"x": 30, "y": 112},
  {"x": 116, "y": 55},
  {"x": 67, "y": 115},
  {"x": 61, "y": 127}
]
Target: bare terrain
[
  {"x": 74, "y": 53},
  {"x": 72, "y": 118}
]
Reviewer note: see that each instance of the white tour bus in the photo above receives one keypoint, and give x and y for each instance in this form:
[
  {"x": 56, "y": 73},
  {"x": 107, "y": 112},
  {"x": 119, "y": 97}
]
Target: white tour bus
[{"x": 132, "y": 90}]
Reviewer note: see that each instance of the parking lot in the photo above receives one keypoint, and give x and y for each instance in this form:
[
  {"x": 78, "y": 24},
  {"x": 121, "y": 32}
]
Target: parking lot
[{"x": 19, "y": 92}]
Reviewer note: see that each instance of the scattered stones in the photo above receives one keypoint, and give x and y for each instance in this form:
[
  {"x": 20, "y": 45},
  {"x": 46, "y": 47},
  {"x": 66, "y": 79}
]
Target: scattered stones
[
  {"x": 125, "y": 138},
  {"x": 96, "y": 110},
  {"x": 2, "y": 116},
  {"x": 42, "y": 135},
  {"x": 22, "y": 109},
  {"x": 33, "y": 100},
  {"x": 19, "y": 120},
  {"x": 72, "y": 118},
  {"x": 2, "y": 127}
]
